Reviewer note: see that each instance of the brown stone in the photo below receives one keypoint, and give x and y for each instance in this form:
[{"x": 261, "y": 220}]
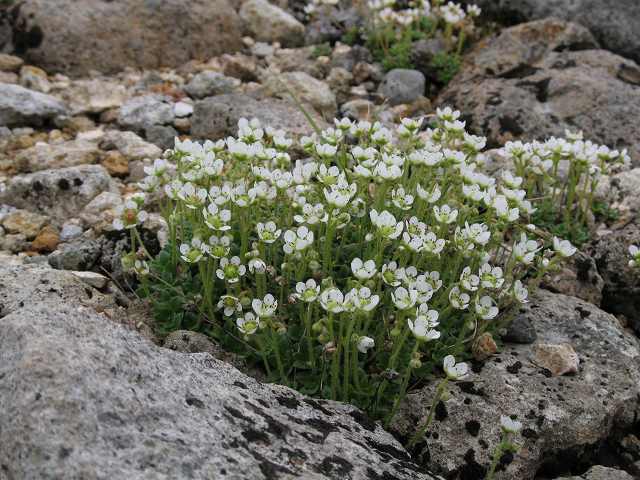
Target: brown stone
[
  {"x": 559, "y": 359},
  {"x": 47, "y": 240},
  {"x": 484, "y": 346},
  {"x": 9, "y": 63},
  {"x": 116, "y": 164}
]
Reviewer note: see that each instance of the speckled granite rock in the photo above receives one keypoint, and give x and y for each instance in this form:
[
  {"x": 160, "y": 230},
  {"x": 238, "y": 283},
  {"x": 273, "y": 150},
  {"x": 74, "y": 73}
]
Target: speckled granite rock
[{"x": 82, "y": 397}]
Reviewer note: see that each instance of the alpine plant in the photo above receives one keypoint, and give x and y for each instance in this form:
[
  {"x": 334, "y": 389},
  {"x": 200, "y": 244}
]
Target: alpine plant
[{"x": 351, "y": 264}]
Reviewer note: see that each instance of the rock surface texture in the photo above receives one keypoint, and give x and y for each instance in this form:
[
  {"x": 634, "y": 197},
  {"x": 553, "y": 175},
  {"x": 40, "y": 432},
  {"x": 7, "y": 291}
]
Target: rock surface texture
[
  {"x": 614, "y": 23},
  {"x": 83, "y": 397},
  {"x": 77, "y": 37},
  {"x": 538, "y": 79},
  {"x": 562, "y": 415}
]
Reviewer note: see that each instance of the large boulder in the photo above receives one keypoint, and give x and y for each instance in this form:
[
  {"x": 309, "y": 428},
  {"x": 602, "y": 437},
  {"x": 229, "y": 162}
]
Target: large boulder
[
  {"x": 565, "y": 418},
  {"x": 77, "y": 37},
  {"x": 537, "y": 79},
  {"x": 614, "y": 23},
  {"x": 83, "y": 397},
  {"x": 61, "y": 193},
  {"x": 20, "y": 106},
  {"x": 216, "y": 117}
]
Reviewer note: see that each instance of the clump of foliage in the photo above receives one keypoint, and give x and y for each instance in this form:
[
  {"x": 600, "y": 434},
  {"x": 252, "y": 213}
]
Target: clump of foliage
[
  {"x": 391, "y": 32},
  {"x": 563, "y": 175},
  {"x": 446, "y": 66},
  {"x": 321, "y": 50},
  {"x": 352, "y": 274}
]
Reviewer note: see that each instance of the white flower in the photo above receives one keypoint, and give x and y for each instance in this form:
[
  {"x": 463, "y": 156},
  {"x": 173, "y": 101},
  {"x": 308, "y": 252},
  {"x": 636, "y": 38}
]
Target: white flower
[
  {"x": 332, "y": 300},
  {"x": 312, "y": 214},
  {"x": 266, "y": 307},
  {"x": 192, "y": 197},
  {"x": 363, "y": 270},
  {"x": 326, "y": 151},
  {"x": 445, "y": 214},
  {"x": 365, "y": 344},
  {"x": 501, "y": 207},
  {"x": 431, "y": 196},
  {"x": 404, "y": 299},
  {"x": 563, "y": 247},
  {"x": 297, "y": 240},
  {"x": 458, "y": 299},
  {"x": 386, "y": 224},
  {"x": 219, "y": 246},
  {"x": 230, "y": 269},
  {"x": 193, "y": 252},
  {"x": 454, "y": 371},
  {"x": 307, "y": 292},
  {"x": 129, "y": 215},
  {"x": 634, "y": 251},
  {"x": 268, "y": 232},
  {"x": 423, "y": 327},
  {"x": 401, "y": 200},
  {"x": 491, "y": 277},
  {"x": 509, "y": 425},
  {"x": 215, "y": 218},
  {"x": 361, "y": 299},
  {"x": 391, "y": 274},
  {"x": 525, "y": 250},
  {"x": 520, "y": 292},
  {"x": 485, "y": 308},
  {"x": 248, "y": 324},
  {"x": 230, "y": 305},
  {"x": 469, "y": 281}
]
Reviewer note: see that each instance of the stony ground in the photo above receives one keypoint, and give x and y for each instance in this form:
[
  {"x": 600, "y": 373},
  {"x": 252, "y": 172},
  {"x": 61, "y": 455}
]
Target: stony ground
[{"x": 92, "y": 91}]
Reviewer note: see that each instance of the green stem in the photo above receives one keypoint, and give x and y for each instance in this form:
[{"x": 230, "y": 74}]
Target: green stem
[{"x": 422, "y": 430}]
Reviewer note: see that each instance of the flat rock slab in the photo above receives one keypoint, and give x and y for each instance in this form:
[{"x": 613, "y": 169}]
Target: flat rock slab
[
  {"x": 569, "y": 413},
  {"x": 82, "y": 397}
]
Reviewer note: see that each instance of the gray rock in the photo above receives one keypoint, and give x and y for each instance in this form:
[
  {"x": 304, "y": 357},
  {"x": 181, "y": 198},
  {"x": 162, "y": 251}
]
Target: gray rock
[
  {"x": 130, "y": 145},
  {"x": 80, "y": 254},
  {"x": 142, "y": 112},
  {"x": 162, "y": 136},
  {"x": 536, "y": 80},
  {"x": 347, "y": 57},
  {"x": 20, "y": 106},
  {"x": 521, "y": 330},
  {"x": 78, "y": 37},
  {"x": 28, "y": 285},
  {"x": 615, "y": 24},
  {"x": 578, "y": 278},
  {"x": 60, "y": 193},
  {"x": 559, "y": 414},
  {"x": 333, "y": 24},
  {"x": 117, "y": 406},
  {"x": 70, "y": 230},
  {"x": 46, "y": 156},
  {"x": 216, "y": 117},
  {"x": 207, "y": 84},
  {"x": 94, "y": 95},
  {"x": 601, "y": 473},
  {"x": 269, "y": 23},
  {"x": 306, "y": 89},
  {"x": 401, "y": 85},
  {"x": 621, "y": 293}
]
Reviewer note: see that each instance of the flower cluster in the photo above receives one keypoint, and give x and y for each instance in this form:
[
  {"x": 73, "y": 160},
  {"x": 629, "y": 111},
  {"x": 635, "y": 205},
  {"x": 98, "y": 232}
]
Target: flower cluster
[
  {"x": 369, "y": 257},
  {"x": 564, "y": 173},
  {"x": 386, "y": 11}
]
